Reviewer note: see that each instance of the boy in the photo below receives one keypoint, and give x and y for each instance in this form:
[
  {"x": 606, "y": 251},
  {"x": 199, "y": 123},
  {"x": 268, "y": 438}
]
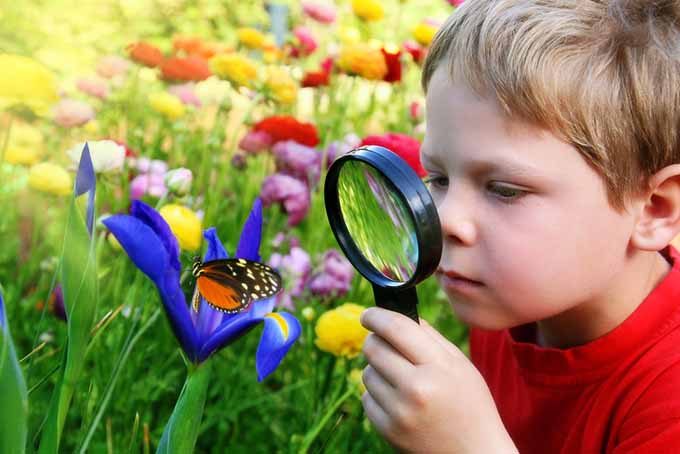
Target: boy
[{"x": 552, "y": 148}]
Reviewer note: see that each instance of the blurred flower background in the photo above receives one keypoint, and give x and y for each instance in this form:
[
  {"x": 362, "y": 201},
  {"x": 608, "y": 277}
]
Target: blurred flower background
[{"x": 199, "y": 108}]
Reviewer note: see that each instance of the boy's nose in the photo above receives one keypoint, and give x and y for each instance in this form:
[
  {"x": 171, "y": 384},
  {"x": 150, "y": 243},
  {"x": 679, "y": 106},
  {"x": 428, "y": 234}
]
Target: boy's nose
[{"x": 456, "y": 220}]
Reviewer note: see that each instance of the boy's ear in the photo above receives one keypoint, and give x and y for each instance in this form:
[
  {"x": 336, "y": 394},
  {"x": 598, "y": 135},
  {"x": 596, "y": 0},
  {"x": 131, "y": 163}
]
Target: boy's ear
[{"x": 658, "y": 221}]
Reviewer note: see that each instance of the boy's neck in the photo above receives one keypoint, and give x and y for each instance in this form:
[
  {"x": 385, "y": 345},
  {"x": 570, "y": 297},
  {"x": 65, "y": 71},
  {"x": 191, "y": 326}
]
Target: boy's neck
[{"x": 590, "y": 320}]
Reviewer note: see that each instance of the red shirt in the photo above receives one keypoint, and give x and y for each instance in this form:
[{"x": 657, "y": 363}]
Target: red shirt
[{"x": 617, "y": 394}]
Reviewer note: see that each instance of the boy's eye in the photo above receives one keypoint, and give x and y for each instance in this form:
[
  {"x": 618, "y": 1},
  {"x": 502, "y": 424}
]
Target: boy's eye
[
  {"x": 436, "y": 181},
  {"x": 504, "y": 191}
]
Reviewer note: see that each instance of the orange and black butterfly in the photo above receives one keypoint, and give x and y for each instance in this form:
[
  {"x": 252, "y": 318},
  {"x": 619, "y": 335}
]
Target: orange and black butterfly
[{"x": 230, "y": 285}]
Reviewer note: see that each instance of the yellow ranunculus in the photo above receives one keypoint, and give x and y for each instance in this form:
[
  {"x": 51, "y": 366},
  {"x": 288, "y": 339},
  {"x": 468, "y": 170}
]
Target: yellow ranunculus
[
  {"x": 25, "y": 82},
  {"x": 185, "y": 225},
  {"x": 25, "y": 144},
  {"x": 424, "y": 33},
  {"x": 339, "y": 331},
  {"x": 282, "y": 87},
  {"x": 251, "y": 37},
  {"x": 235, "y": 68},
  {"x": 368, "y": 10},
  {"x": 167, "y": 104},
  {"x": 356, "y": 379},
  {"x": 363, "y": 60},
  {"x": 48, "y": 177}
]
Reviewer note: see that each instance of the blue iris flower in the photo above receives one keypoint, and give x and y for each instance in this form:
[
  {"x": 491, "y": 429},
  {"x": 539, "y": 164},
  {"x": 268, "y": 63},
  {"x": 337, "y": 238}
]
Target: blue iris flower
[{"x": 152, "y": 247}]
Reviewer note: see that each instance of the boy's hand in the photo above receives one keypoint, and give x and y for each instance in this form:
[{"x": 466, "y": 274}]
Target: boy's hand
[{"x": 423, "y": 394}]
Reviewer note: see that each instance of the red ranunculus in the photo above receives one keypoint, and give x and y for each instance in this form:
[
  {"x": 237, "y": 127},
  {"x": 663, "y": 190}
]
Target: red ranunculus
[
  {"x": 405, "y": 146},
  {"x": 285, "y": 127},
  {"x": 392, "y": 57},
  {"x": 320, "y": 77},
  {"x": 416, "y": 50}
]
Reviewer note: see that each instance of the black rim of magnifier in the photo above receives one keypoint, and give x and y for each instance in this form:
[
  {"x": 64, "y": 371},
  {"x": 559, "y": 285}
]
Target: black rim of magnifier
[{"x": 416, "y": 198}]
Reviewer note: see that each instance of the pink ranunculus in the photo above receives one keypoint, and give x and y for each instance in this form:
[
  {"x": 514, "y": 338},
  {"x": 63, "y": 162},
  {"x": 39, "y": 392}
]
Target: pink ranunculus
[
  {"x": 94, "y": 87},
  {"x": 292, "y": 193},
  {"x": 186, "y": 93},
  {"x": 158, "y": 167},
  {"x": 298, "y": 160},
  {"x": 337, "y": 265},
  {"x": 139, "y": 186},
  {"x": 157, "y": 186},
  {"x": 335, "y": 278},
  {"x": 319, "y": 12},
  {"x": 69, "y": 113},
  {"x": 456, "y": 2},
  {"x": 307, "y": 42},
  {"x": 255, "y": 141},
  {"x": 112, "y": 65}
]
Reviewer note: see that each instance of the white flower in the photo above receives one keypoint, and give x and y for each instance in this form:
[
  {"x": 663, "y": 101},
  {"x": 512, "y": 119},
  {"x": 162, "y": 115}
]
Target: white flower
[{"x": 107, "y": 155}]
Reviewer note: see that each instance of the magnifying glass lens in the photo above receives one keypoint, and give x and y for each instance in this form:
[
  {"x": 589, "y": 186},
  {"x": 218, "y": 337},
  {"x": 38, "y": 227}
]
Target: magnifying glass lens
[{"x": 378, "y": 220}]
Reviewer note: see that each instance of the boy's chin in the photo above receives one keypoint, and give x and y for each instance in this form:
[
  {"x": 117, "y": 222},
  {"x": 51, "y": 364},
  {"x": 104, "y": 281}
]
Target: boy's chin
[{"x": 475, "y": 317}]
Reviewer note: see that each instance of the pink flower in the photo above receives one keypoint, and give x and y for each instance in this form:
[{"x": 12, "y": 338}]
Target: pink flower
[
  {"x": 255, "y": 141},
  {"x": 336, "y": 277},
  {"x": 307, "y": 42},
  {"x": 295, "y": 266},
  {"x": 298, "y": 160},
  {"x": 319, "y": 12},
  {"x": 144, "y": 184},
  {"x": 186, "y": 93},
  {"x": 340, "y": 147},
  {"x": 112, "y": 65},
  {"x": 94, "y": 87},
  {"x": 69, "y": 113},
  {"x": 416, "y": 112},
  {"x": 292, "y": 193},
  {"x": 456, "y": 2}
]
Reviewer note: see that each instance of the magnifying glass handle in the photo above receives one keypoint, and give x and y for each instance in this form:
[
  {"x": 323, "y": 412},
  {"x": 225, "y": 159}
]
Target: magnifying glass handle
[{"x": 404, "y": 301}]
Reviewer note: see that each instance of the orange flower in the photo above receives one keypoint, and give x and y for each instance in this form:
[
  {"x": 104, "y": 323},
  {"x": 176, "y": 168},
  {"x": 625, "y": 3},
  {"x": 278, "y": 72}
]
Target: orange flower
[
  {"x": 192, "y": 68},
  {"x": 195, "y": 46},
  {"x": 145, "y": 53},
  {"x": 364, "y": 61}
]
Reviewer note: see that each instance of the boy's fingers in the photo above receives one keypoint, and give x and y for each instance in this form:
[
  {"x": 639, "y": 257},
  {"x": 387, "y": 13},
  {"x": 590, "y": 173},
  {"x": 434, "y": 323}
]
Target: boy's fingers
[
  {"x": 405, "y": 335},
  {"x": 382, "y": 392},
  {"x": 388, "y": 362},
  {"x": 441, "y": 340},
  {"x": 374, "y": 413}
]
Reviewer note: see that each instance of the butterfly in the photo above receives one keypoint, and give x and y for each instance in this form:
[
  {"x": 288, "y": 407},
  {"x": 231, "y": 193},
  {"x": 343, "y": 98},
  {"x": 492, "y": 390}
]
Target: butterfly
[{"x": 230, "y": 285}]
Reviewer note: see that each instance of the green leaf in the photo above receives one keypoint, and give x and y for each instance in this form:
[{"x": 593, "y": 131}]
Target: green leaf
[
  {"x": 181, "y": 432},
  {"x": 79, "y": 285},
  {"x": 14, "y": 408}
]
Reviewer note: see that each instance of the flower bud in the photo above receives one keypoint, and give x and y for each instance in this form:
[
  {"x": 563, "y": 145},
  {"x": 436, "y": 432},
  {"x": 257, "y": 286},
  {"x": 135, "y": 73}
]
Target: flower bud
[{"x": 178, "y": 181}]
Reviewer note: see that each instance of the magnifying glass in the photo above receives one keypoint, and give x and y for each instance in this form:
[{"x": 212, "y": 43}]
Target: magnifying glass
[{"x": 386, "y": 223}]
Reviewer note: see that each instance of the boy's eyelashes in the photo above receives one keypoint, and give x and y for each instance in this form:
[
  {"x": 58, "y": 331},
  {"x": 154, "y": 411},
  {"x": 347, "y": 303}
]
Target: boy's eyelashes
[{"x": 505, "y": 192}]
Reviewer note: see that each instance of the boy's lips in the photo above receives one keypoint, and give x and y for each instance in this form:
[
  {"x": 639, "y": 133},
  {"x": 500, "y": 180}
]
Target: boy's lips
[
  {"x": 455, "y": 275},
  {"x": 456, "y": 282}
]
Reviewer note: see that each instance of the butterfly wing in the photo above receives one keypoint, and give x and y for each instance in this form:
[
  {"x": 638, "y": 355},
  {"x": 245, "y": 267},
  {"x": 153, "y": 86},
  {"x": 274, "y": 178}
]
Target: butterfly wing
[{"x": 231, "y": 285}]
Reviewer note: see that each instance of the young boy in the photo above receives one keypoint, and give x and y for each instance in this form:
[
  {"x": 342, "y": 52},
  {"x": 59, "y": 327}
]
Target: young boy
[{"x": 553, "y": 151}]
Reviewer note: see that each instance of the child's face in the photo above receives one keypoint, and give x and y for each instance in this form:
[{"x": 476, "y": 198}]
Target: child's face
[{"x": 522, "y": 213}]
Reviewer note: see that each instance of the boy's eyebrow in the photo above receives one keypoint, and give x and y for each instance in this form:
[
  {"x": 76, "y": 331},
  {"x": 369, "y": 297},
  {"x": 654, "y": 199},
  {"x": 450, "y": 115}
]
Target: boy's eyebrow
[{"x": 478, "y": 167}]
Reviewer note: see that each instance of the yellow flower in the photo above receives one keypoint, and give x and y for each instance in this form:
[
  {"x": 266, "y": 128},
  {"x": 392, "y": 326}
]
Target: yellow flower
[
  {"x": 282, "y": 87},
  {"x": 51, "y": 178},
  {"x": 349, "y": 35},
  {"x": 25, "y": 82},
  {"x": 235, "y": 68},
  {"x": 251, "y": 37},
  {"x": 424, "y": 33},
  {"x": 25, "y": 144},
  {"x": 185, "y": 225},
  {"x": 356, "y": 379},
  {"x": 339, "y": 331},
  {"x": 368, "y": 10},
  {"x": 364, "y": 61},
  {"x": 166, "y": 104}
]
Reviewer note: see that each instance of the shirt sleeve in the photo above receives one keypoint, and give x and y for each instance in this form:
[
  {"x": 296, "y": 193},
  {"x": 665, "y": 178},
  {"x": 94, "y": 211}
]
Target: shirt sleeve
[{"x": 653, "y": 423}]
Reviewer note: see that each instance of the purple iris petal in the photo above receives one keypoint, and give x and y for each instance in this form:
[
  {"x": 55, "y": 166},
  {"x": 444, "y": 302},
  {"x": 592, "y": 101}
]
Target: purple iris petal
[
  {"x": 230, "y": 330},
  {"x": 275, "y": 343},
  {"x": 86, "y": 182},
  {"x": 148, "y": 253},
  {"x": 251, "y": 234},
  {"x": 141, "y": 244},
  {"x": 261, "y": 308},
  {"x": 153, "y": 219},
  {"x": 207, "y": 318}
]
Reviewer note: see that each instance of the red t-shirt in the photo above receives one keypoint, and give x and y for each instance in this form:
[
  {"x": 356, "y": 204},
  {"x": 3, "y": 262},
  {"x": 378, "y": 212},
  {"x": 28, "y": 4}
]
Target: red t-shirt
[{"x": 617, "y": 394}]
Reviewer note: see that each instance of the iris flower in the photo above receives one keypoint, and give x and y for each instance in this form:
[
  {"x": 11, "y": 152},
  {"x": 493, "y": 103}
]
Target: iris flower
[{"x": 150, "y": 244}]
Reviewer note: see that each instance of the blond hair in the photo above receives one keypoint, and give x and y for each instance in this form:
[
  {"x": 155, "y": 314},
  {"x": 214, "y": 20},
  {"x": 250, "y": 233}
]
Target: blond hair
[{"x": 602, "y": 75}]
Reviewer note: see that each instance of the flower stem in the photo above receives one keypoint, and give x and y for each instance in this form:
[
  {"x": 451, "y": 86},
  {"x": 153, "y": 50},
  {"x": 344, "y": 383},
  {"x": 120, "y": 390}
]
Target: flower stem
[{"x": 311, "y": 435}]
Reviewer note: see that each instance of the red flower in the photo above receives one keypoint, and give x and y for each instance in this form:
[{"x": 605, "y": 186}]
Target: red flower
[
  {"x": 184, "y": 69},
  {"x": 405, "y": 146},
  {"x": 392, "y": 55},
  {"x": 321, "y": 77},
  {"x": 145, "y": 53},
  {"x": 285, "y": 127},
  {"x": 416, "y": 50}
]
